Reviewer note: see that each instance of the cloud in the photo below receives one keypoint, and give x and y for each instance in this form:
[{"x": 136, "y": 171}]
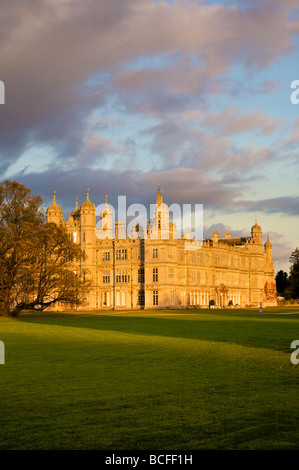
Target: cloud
[
  {"x": 292, "y": 141},
  {"x": 284, "y": 205},
  {"x": 62, "y": 59},
  {"x": 230, "y": 121},
  {"x": 180, "y": 185}
]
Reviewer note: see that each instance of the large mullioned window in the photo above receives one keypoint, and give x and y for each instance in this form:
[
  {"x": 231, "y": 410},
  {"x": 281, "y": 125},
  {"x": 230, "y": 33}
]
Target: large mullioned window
[
  {"x": 121, "y": 276},
  {"x": 106, "y": 277},
  {"x": 121, "y": 254},
  {"x": 141, "y": 297}
]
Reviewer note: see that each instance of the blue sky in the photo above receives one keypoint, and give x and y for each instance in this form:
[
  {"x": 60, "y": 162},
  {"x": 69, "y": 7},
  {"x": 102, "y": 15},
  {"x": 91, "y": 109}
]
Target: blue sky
[{"x": 122, "y": 95}]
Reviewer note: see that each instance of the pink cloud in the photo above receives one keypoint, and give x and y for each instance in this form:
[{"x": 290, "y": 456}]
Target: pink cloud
[{"x": 230, "y": 121}]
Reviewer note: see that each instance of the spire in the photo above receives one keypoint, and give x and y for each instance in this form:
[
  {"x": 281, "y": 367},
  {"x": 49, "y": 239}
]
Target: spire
[
  {"x": 159, "y": 196},
  {"x": 76, "y": 202},
  {"x": 87, "y": 204},
  {"x": 54, "y": 196},
  {"x": 268, "y": 244}
]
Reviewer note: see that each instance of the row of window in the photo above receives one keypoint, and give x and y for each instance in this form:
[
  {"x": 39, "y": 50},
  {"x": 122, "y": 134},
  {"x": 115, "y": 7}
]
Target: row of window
[
  {"x": 120, "y": 298},
  {"x": 123, "y": 276},
  {"x": 121, "y": 254},
  {"x": 195, "y": 298},
  {"x": 141, "y": 297}
]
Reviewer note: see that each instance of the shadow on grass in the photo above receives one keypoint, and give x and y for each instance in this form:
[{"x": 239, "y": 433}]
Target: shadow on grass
[{"x": 246, "y": 330}]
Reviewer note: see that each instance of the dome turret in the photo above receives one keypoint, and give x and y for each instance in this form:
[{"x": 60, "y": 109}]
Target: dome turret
[
  {"x": 87, "y": 205},
  {"x": 256, "y": 233},
  {"x": 76, "y": 211},
  {"x": 54, "y": 212},
  {"x": 256, "y": 228}
]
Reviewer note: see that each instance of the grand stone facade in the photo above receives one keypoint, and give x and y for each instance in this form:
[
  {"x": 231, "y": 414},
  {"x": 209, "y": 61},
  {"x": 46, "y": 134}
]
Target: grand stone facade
[{"x": 159, "y": 270}]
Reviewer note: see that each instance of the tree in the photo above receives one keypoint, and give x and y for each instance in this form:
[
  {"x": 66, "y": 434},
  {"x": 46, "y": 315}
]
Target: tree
[
  {"x": 294, "y": 274},
  {"x": 39, "y": 264},
  {"x": 282, "y": 281}
]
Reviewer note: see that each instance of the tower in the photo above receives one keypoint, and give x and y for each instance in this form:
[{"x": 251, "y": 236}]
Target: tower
[
  {"x": 160, "y": 222},
  {"x": 55, "y": 212},
  {"x": 106, "y": 229},
  {"x": 270, "y": 294},
  {"x": 88, "y": 221},
  {"x": 256, "y": 234}
]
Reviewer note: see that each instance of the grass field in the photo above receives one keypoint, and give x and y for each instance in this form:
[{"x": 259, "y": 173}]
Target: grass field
[{"x": 167, "y": 380}]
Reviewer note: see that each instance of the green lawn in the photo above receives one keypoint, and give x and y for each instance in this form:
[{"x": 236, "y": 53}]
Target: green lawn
[{"x": 168, "y": 380}]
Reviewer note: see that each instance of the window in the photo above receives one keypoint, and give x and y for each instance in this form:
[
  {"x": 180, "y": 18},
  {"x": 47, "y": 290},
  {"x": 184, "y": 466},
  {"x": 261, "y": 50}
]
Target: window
[
  {"x": 121, "y": 276},
  {"x": 140, "y": 254},
  {"x": 171, "y": 274},
  {"x": 141, "y": 297},
  {"x": 155, "y": 252},
  {"x": 124, "y": 276},
  {"x": 121, "y": 254},
  {"x": 141, "y": 275},
  {"x": 75, "y": 237},
  {"x": 106, "y": 277},
  {"x": 155, "y": 297},
  {"x": 106, "y": 299},
  {"x": 106, "y": 255},
  {"x": 193, "y": 277},
  {"x": 170, "y": 252},
  {"x": 155, "y": 275},
  {"x": 120, "y": 299},
  {"x": 182, "y": 255},
  {"x": 159, "y": 220}
]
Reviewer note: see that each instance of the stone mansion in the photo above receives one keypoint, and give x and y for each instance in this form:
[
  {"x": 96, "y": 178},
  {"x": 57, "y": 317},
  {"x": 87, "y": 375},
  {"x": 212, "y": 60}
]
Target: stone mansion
[{"x": 143, "y": 272}]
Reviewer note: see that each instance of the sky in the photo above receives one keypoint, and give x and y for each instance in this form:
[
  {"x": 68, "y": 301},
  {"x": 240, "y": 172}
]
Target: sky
[{"x": 122, "y": 95}]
